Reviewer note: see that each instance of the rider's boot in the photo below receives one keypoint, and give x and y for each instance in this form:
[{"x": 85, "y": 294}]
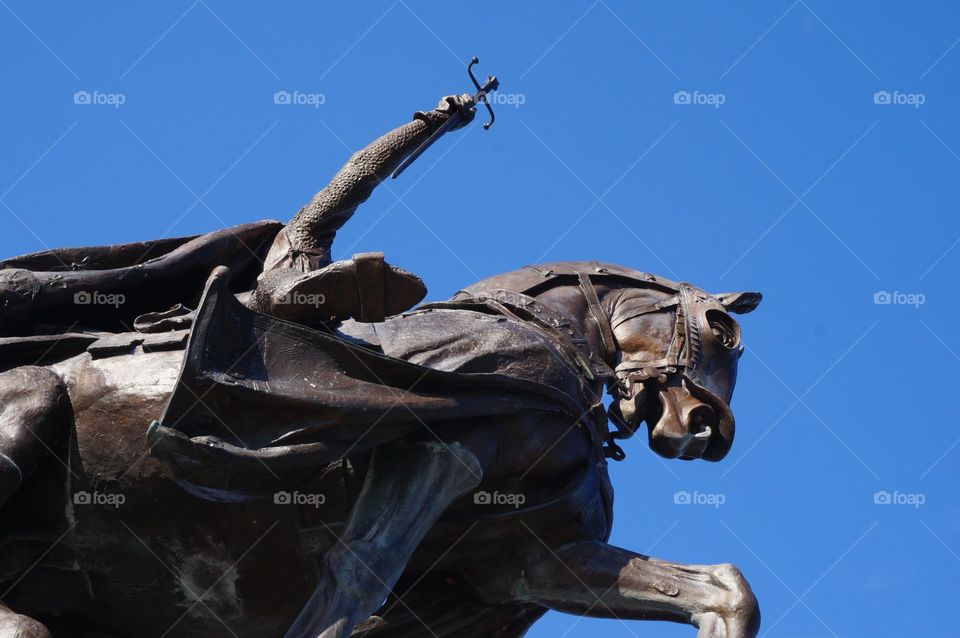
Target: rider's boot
[
  {"x": 34, "y": 412},
  {"x": 365, "y": 288}
]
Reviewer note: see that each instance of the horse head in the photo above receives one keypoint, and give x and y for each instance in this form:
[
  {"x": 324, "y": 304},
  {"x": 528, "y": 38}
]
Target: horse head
[
  {"x": 676, "y": 367},
  {"x": 672, "y": 348}
]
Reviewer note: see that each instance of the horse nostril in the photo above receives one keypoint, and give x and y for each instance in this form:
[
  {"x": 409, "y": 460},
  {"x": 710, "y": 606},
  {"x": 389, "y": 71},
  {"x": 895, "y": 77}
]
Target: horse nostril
[{"x": 701, "y": 419}]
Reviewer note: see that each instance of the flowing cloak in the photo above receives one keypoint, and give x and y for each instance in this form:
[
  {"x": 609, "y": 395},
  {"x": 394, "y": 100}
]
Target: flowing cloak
[
  {"x": 106, "y": 288},
  {"x": 262, "y": 403}
]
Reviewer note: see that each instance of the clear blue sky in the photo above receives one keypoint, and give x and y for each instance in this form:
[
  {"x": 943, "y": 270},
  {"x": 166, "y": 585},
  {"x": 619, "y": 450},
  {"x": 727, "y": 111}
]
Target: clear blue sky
[{"x": 798, "y": 184}]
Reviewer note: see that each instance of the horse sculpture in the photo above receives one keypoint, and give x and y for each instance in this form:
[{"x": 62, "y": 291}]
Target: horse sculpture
[{"x": 440, "y": 472}]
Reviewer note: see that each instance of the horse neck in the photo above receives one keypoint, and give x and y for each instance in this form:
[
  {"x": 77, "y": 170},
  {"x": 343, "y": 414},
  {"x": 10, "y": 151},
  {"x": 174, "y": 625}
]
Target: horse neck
[{"x": 570, "y": 301}]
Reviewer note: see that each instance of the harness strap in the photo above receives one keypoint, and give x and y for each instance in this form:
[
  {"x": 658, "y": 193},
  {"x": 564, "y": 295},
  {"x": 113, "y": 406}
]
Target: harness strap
[{"x": 600, "y": 317}]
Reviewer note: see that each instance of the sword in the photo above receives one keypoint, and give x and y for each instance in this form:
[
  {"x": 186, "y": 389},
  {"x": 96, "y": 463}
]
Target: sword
[{"x": 492, "y": 84}]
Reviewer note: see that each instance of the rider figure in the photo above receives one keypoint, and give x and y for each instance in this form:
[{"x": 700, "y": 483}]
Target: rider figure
[
  {"x": 297, "y": 281},
  {"x": 33, "y": 400},
  {"x": 298, "y": 264}
]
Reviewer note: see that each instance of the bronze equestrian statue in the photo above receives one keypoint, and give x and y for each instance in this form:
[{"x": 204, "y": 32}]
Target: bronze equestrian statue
[{"x": 229, "y": 435}]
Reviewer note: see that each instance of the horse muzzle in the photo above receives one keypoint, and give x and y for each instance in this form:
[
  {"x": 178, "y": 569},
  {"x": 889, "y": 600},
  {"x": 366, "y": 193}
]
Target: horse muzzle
[{"x": 688, "y": 422}]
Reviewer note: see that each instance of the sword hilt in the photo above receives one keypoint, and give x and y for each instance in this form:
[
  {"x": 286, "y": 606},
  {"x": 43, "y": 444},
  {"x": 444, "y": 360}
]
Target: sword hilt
[{"x": 492, "y": 84}]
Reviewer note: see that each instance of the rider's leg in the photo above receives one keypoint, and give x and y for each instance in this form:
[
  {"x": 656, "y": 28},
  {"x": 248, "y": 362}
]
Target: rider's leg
[
  {"x": 34, "y": 412},
  {"x": 13, "y": 625},
  {"x": 408, "y": 486},
  {"x": 361, "y": 288},
  {"x": 365, "y": 288},
  {"x": 591, "y": 578}
]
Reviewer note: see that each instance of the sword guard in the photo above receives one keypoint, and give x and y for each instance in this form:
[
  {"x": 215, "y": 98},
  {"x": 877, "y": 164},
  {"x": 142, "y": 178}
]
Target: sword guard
[{"x": 492, "y": 84}]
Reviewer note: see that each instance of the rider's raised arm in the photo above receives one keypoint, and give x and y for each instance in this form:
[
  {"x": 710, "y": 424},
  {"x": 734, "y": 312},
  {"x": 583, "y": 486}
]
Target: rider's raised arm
[{"x": 306, "y": 241}]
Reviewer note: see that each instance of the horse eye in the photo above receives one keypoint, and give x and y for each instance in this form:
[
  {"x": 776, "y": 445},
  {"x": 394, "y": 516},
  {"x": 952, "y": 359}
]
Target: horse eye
[{"x": 724, "y": 328}]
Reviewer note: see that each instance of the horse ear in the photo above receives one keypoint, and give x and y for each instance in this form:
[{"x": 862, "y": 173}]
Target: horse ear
[{"x": 739, "y": 302}]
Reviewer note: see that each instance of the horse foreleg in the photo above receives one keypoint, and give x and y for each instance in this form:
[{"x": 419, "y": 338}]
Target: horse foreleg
[
  {"x": 34, "y": 412},
  {"x": 591, "y": 578},
  {"x": 13, "y": 625},
  {"x": 407, "y": 487}
]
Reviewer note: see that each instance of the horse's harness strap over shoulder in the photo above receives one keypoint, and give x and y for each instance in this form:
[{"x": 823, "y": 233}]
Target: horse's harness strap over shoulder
[{"x": 600, "y": 318}]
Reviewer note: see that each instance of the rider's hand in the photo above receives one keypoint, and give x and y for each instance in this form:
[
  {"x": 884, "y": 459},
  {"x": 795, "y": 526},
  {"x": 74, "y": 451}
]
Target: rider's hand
[{"x": 457, "y": 106}]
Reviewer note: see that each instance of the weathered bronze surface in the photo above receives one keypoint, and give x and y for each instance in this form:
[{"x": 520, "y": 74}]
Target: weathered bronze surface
[{"x": 254, "y": 441}]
